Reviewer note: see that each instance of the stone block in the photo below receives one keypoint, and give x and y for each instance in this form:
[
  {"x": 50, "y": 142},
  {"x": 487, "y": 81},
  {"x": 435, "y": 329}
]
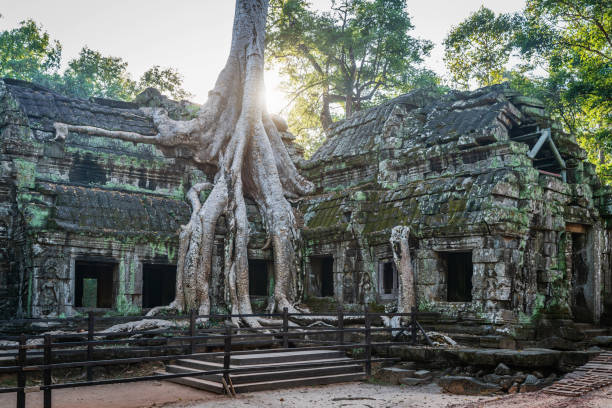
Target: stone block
[
  {"x": 502, "y": 369},
  {"x": 427, "y": 275},
  {"x": 422, "y": 374},
  {"x": 406, "y": 365},
  {"x": 485, "y": 255},
  {"x": 506, "y": 189},
  {"x": 467, "y": 386},
  {"x": 392, "y": 375},
  {"x": 414, "y": 381}
]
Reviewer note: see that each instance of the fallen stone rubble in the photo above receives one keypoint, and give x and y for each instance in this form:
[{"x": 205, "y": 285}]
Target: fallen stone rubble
[{"x": 470, "y": 380}]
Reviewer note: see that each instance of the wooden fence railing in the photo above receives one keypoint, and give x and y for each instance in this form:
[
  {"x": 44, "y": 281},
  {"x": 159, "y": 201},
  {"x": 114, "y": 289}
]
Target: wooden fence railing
[{"x": 173, "y": 344}]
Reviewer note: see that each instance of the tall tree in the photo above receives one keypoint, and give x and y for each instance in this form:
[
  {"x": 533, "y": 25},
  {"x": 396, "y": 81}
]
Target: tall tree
[
  {"x": 565, "y": 59},
  {"x": 167, "y": 80},
  {"x": 349, "y": 56},
  {"x": 235, "y": 135},
  {"x": 27, "y": 52},
  {"x": 478, "y": 49},
  {"x": 571, "y": 40},
  {"x": 92, "y": 74}
]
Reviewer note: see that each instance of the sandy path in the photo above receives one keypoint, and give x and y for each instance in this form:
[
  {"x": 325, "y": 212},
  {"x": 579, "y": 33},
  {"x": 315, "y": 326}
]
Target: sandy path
[
  {"x": 134, "y": 395},
  {"x": 348, "y": 395}
]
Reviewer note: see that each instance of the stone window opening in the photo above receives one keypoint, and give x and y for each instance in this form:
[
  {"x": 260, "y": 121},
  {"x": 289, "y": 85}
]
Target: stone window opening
[
  {"x": 158, "y": 284},
  {"x": 458, "y": 269},
  {"x": 387, "y": 280},
  {"x": 323, "y": 274},
  {"x": 258, "y": 277},
  {"x": 94, "y": 283}
]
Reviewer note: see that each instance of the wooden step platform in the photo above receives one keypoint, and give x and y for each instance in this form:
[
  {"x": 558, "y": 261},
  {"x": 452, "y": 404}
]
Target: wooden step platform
[
  {"x": 271, "y": 370},
  {"x": 595, "y": 374}
]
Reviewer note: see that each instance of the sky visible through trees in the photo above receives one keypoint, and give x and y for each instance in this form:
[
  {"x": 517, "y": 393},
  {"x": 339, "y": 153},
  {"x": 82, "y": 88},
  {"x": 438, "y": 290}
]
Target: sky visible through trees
[
  {"x": 153, "y": 32},
  {"x": 358, "y": 53}
]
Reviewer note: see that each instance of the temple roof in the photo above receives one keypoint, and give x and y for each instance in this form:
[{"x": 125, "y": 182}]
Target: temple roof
[
  {"x": 435, "y": 119},
  {"x": 44, "y": 107}
]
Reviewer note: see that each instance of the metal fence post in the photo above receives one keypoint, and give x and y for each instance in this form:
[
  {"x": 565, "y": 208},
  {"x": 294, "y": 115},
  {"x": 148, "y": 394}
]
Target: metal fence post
[
  {"x": 21, "y": 376},
  {"x": 368, "y": 341},
  {"x": 227, "y": 350},
  {"x": 192, "y": 330},
  {"x": 90, "y": 347},
  {"x": 340, "y": 325},
  {"x": 47, "y": 372},
  {"x": 413, "y": 325},
  {"x": 285, "y": 327}
]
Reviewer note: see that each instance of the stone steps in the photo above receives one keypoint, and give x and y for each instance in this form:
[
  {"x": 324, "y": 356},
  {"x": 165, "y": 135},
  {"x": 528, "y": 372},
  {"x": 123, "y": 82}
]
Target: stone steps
[{"x": 274, "y": 370}]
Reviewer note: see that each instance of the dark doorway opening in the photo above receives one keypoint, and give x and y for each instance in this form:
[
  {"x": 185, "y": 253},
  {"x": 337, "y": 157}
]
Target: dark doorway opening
[
  {"x": 323, "y": 273},
  {"x": 458, "y": 276},
  {"x": 258, "y": 277},
  {"x": 94, "y": 284},
  {"x": 387, "y": 280},
  {"x": 158, "y": 284},
  {"x": 581, "y": 285}
]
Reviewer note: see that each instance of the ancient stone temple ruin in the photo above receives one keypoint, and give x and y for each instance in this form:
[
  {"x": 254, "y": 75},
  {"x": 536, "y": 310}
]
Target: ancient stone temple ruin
[{"x": 507, "y": 219}]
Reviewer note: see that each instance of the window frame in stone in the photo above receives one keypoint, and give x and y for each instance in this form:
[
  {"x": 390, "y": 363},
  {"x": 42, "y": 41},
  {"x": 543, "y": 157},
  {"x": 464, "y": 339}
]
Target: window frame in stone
[
  {"x": 108, "y": 290},
  {"x": 382, "y": 264}
]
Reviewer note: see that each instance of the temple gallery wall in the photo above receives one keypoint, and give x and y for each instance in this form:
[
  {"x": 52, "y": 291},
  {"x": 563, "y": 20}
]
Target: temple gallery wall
[{"x": 507, "y": 219}]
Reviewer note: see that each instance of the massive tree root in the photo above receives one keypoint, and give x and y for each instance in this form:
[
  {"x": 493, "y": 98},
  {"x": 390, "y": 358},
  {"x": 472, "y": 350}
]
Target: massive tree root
[
  {"x": 235, "y": 134},
  {"x": 406, "y": 299}
]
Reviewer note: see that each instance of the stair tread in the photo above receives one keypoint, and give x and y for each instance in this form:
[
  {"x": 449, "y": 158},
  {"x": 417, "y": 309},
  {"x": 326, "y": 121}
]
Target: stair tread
[
  {"x": 302, "y": 353},
  {"x": 275, "y": 370},
  {"x": 318, "y": 377},
  {"x": 288, "y": 363},
  {"x": 295, "y": 369},
  {"x": 196, "y": 380}
]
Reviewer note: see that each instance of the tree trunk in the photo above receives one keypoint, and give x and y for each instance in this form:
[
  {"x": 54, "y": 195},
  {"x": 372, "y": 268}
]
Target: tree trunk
[
  {"x": 234, "y": 133},
  {"x": 401, "y": 255}
]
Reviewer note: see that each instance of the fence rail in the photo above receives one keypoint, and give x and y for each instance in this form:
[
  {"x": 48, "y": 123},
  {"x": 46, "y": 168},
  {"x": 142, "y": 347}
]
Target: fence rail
[{"x": 174, "y": 344}]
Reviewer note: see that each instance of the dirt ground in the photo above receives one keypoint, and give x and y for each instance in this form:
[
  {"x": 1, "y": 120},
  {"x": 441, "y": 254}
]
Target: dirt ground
[{"x": 349, "y": 395}]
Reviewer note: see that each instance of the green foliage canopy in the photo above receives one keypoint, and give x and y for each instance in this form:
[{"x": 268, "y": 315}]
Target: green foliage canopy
[
  {"x": 28, "y": 53},
  {"x": 478, "y": 49},
  {"x": 340, "y": 61},
  {"x": 565, "y": 53}
]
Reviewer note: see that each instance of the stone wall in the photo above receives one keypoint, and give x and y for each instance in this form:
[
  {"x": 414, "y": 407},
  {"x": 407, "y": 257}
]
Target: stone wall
[{"x": 455, "y": 169}]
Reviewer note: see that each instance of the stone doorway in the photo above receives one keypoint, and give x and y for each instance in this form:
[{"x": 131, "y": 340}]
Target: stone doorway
[
  {"x": 323, "y": 276},
  {"x": 158, "y": 285},
  {"x": 582, "y": 272},
  {"x": 459, "y": 270},
  {"x": 258, "y": 277},
  {"x": 94, "y": 284}
]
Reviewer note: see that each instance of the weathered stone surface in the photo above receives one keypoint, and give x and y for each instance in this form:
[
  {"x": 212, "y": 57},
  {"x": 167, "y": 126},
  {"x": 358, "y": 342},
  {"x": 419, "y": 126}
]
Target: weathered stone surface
[
  {"x": 453, "y": 167},
  {"x": 502, "y": 369},
  {"x": 531, "y": 384},
  {"x": 392, "y": 375},
  {"x": 422, "y": 374},
  {"x": 602, "y": 341},
  {"x": 527, "y": 358},
  {"x": 467, "y": 386},
  {"x": 414, "y": 381}
]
